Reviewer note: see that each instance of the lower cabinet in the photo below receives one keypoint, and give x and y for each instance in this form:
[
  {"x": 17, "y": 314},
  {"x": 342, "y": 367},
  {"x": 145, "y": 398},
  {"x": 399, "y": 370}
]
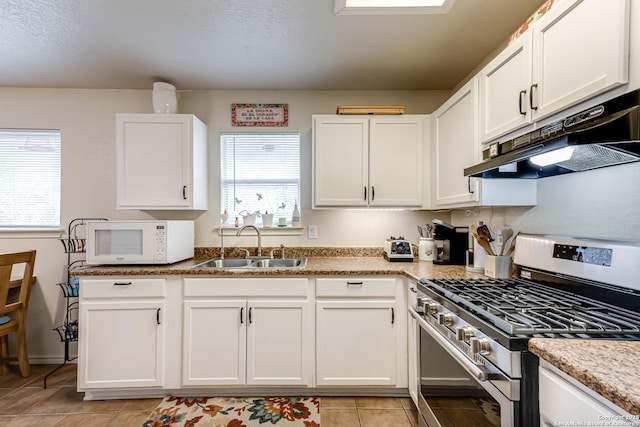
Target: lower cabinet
[
  {"x": 562, "y": 399},
  {"x": 145, "y": 336},
  {"x": 122, "y": 338},
  {"x": 262, "y": 335},
  {"x": 358, "y": 330}
]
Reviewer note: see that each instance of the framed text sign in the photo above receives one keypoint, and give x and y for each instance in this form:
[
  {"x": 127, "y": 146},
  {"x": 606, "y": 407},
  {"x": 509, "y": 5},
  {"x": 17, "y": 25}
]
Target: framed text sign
[{"x": 260, "y": 115}]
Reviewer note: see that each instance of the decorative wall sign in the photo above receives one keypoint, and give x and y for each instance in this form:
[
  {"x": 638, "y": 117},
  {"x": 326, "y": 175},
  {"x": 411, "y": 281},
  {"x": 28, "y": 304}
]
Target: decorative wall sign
[{"x": 260, "y": 115}]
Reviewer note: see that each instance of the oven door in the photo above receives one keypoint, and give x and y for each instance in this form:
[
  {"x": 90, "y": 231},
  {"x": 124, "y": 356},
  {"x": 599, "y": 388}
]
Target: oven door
[{"x": 454, "y": 391}]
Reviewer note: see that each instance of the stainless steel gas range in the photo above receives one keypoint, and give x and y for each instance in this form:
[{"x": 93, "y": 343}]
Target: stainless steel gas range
[{"x": 473, "y": 333}]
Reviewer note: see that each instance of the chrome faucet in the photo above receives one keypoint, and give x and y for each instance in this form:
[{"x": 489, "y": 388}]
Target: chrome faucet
[{"x": 259, "y": 236}]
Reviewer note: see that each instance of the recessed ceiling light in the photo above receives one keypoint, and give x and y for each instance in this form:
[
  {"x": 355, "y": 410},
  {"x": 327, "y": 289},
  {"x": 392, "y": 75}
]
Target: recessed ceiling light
[{"x": 392, "y": 7}]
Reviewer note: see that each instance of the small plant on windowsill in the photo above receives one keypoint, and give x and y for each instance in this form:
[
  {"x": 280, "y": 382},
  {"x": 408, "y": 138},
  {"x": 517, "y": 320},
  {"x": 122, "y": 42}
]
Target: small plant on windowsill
[{"x": 249, "y": 218}]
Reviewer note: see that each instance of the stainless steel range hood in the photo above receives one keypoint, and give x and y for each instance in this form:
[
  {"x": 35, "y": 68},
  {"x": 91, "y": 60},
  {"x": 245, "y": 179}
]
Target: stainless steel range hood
[{"x": 605, "y": 135}]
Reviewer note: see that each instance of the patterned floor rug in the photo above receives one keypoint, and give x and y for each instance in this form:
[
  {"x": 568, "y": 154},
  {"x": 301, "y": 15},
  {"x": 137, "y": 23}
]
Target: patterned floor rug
[{"x": 236, "y": 412}]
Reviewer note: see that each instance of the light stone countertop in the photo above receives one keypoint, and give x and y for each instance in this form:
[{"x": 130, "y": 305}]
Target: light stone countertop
[{"x": 611, "y": 368}]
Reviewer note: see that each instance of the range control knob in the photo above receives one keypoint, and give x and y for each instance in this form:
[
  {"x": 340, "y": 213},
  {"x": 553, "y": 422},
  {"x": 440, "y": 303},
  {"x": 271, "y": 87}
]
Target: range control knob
[
  {"x": 464, "y": 333},
  {"x": 445, "y": 319},
  {"x": 433, "y": 308},
  {"x": 480, "y": 346}
]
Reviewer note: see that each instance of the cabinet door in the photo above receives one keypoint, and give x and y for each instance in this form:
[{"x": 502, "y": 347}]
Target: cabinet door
[
  {"x": 395, "y": 161},
  {"x": 580, "y": 49},
  {"x": 214, "y": 347},
  {"x": 504, "y": 90},
  {"x": 278, "y": 343},
  {"x": 158, "y": 162},
  {"x": 355, "y": 343},
  {"x": 340, "y": 161},
  {"x": 121, "y": 344},
  {"x": 455, "y": 145}
]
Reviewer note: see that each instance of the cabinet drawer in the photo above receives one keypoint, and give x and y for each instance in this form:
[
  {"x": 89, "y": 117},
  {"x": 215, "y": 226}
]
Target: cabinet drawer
[
  {"x": 122, "y": 288},
  {"x": 246, "y": 287},
  {"x": 355, "y": 287},
  {"x": 561, "y": 401}
]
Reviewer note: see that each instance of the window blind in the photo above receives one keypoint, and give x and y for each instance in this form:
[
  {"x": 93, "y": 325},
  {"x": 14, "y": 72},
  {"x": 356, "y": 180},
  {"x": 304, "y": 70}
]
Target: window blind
[
  {"x": 260, "y": 172},
  {"x": 29, "y": 179}
]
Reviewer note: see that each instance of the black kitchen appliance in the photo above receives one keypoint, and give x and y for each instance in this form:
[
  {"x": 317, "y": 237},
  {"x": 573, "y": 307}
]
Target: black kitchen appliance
[
  {"x": 451, "y": 243},
  {"x": 607, "y": 134},
  {"x": 473, "y": 333}
]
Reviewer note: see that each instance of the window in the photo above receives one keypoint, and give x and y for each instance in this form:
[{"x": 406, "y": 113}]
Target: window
[
  {"x": 29, "y": 179},
  {"x": 260, "y": 172}
]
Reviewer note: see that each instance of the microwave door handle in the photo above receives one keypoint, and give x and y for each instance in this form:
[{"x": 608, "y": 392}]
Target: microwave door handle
[{"x": 475, "y": 371}]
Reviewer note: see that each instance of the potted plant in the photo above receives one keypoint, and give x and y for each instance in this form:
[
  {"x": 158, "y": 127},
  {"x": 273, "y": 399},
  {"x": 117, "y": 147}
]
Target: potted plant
[{"x": 249, "y": 218}]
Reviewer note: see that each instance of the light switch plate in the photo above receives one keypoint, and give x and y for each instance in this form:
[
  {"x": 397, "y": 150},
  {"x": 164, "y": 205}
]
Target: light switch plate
[{"x": 312, "y": 232}]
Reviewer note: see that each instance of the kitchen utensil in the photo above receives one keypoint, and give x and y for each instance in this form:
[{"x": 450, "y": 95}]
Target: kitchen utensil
[
  {"x": 421, "y": 232},
  {"x": 512, "y": 247},
  {"x": 483, "y": 230},
  {"x": 482, "y": 239},
  {"x": 505, "y": 234}
]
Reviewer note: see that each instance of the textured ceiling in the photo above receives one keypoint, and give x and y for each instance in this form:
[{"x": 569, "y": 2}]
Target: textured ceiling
[{"x": 245, "y": 44}]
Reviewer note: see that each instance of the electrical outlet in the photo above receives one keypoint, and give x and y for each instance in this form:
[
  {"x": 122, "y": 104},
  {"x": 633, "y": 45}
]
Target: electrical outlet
[{"x": 312, "y": 232}]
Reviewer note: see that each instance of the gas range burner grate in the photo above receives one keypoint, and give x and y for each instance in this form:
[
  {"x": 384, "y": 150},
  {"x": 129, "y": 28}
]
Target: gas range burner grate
[{"x": 526, "y": 308}]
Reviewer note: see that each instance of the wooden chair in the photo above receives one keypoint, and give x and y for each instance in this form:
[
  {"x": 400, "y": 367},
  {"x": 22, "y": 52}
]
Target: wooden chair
[{"x": 13, "y": 313}]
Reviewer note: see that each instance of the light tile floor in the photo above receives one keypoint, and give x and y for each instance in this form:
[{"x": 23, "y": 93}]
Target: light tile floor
[{"x": 25, "y": 402}]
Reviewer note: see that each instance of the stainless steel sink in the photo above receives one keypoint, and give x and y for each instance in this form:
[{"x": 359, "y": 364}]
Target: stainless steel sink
[
  {"x": 247, "y": 263},
  {"x": 280, "y": 263},
  {"x": 224, "y": 263}
]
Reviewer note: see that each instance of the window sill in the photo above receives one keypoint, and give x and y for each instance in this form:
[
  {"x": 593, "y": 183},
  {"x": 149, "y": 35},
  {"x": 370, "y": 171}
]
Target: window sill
[
  {"x": 31, "y": 233},
  {"x": 265, "y": 231}
]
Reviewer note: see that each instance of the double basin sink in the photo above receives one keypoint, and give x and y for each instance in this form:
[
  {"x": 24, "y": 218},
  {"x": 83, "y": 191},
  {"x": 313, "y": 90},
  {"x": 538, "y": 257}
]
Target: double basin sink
[{"x": 249, "y": 263}]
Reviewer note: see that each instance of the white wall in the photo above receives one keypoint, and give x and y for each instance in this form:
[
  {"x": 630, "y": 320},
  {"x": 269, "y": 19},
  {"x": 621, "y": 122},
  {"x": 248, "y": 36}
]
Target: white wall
[
  {"x": 335, "y": 227},
  {"x": 602, "y": 203},
  {"x": 86, "y": 119}
]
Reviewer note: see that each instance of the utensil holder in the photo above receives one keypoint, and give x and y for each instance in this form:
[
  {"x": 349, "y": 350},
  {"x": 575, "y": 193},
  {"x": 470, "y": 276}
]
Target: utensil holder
[{"x": 498, "y": 267}]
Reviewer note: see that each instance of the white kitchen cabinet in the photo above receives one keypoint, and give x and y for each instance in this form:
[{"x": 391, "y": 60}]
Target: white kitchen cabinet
[
  {"x": 562, "y": 399},
  {"x": 577, "y": 50},
  {"x": 247, "y": 331},
  {"x": 121, "y": 339},
  {"x": 455, "y": 146},
  {"x": 362, "y": 161},
  {"x": 161, "y": 162},
  {"x": 358, "y": 332},
  {"x": 214, "y": 340}
]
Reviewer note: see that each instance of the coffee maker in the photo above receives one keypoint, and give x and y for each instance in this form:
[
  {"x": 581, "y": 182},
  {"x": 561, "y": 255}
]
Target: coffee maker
[{"x": 451, "y": 243}]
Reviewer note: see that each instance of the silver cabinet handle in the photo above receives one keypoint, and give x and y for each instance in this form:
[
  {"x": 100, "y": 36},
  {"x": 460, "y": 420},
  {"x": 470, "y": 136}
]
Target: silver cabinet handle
[{"x": 522, "y": 92}]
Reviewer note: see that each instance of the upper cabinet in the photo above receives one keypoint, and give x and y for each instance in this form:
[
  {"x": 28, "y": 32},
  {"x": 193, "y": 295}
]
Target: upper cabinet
[
  {"x": 454, "y": 141},
  {"x": 577, "y": 50},
  {"x": 161, "y": 162},
  {"x": 361, "y": 161}
]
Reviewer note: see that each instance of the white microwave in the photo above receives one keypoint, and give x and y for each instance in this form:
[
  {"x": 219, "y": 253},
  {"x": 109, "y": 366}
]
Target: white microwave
[{"x": 139, "y": 242}]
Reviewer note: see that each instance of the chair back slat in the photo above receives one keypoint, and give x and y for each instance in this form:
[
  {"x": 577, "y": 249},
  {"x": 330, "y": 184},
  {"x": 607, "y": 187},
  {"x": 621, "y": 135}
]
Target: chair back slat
[{"x": 7, "y": 263}]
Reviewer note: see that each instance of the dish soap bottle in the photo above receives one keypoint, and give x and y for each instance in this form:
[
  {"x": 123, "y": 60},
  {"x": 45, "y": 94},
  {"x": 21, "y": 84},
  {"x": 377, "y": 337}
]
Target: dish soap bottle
[{"x": 295, "y": 217}]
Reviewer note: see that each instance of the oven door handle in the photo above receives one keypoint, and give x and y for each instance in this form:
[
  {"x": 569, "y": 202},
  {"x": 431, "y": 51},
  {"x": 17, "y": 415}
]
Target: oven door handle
[{"x": 477, "y": 372}]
